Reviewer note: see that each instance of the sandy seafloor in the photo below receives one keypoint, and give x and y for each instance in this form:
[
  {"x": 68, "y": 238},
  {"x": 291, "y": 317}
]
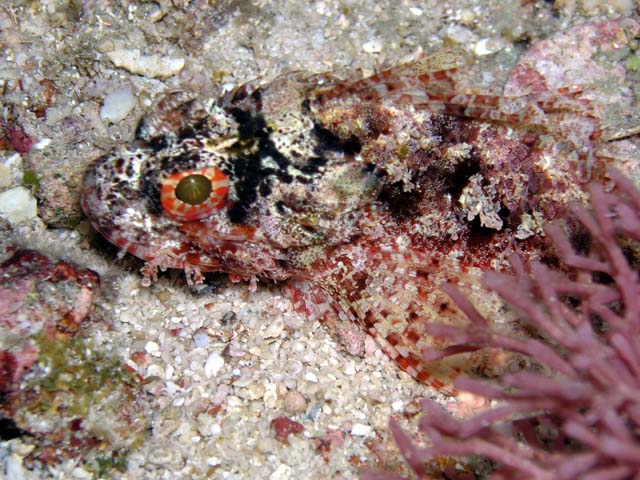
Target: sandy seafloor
[{"x": 201, "y": 46}]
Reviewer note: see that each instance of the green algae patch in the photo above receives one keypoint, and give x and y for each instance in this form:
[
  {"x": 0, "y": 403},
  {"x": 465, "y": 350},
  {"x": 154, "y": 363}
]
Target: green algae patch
[
  {"x": 30, "y": 179},
  {"x": 79, "y": 401},
  {"x": 74, "y": 366}
]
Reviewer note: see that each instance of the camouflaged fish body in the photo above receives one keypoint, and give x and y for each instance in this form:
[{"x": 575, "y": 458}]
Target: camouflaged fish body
[{"x": 363, "y": 194}]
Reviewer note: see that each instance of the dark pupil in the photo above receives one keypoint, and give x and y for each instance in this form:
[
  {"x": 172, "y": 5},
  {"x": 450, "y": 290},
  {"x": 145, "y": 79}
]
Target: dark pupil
[{"x": 193, "y": 189}]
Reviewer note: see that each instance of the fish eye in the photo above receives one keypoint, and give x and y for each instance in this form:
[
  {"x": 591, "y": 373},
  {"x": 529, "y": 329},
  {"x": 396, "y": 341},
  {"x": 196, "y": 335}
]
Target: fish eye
[
  {"x": 192, "y": 195},
  {"x": 193, "y": 189}
]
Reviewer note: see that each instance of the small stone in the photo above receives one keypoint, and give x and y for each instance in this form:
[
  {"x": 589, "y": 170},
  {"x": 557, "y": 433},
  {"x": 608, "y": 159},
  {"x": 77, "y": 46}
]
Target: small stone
[
  {"x": 154, "y": 66},
  {"x": 467, "y": 17},
  {"x": 254, "y": 391},
  {"x": 152, "y": 348},
  {"x": 372, "y": 46},
  {"x": 155, "y": 371},
  {"x": 488, "y": 46},
  {"x": 216, "y": 430},
  {"x": 459, "y": 35},
  {"x": 139, "y": 358},
  {"x": 274, "y": 329},
  {"x": 294, "y": 402},
  {"x": 270, "y": 397},
  {"x": 201, "y": 339},
  {"x": 155, "y": 15},
  {"x": 294, "y": 321},
  {"x": 283, "y": 472},
  {"x": 5, "y": 176},
  {"x": 351, "y": 337},
  {"x": 19, "y": 140},
  {"x": 310, "y": 377},
  {"x": 361, "y": 430},
  {"x": 18, "y": 205},
  {"x": 284, "y": 427},
  {"x": 117, "y": 105},
  {"x": 81, "y": 474},
  {"x": 324, "y": 444},
  {"x": 213, "y": 365},
  {"x": 350, "y": 369}
]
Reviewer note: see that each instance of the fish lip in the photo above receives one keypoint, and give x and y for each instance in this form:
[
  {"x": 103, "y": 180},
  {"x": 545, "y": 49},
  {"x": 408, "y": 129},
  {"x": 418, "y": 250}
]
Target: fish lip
[
  {"x": 91, "y": 202},
  {"x": 88, "y": 191}
]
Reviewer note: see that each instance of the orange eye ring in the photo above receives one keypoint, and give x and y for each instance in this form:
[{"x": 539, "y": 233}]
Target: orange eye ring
[{"x": 191, "y": 195}]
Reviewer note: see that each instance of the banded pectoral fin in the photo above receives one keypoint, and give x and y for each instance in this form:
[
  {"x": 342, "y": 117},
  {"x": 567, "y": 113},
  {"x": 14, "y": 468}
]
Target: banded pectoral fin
[
  {"x": 435, "y": 74},
  {"x": 433, "y": 83},
  {"x": 402, "y": 335}
]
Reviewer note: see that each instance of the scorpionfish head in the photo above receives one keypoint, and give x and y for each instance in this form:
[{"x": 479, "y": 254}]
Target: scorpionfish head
[{"x": 250, "y": 184}]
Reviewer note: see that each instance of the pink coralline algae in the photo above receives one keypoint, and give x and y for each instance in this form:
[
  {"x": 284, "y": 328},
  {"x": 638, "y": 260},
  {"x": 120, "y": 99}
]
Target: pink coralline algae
[
  {"x": 284, "y": 427},
  {"x": 12, "y": 135},
  {"x": 37, "y": 295},
  {"x": 26, "y": 309},
  {"x": 575, "y": 413},
  {"x": 49, "y": 368}
]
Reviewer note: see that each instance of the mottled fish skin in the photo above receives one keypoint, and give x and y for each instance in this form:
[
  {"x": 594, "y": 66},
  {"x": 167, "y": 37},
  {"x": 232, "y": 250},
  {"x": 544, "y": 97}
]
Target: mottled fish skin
[{"x": 364, "y": 194}]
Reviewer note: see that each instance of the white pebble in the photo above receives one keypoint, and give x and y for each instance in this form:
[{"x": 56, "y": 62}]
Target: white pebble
[
  {"x": 201, "y": 339},
  {"x": 14, "y": 160},
  {"x": 488, "y": 46},
  {"x": 154, "y": 66},
  {"x": 361, "y": 430},
  {"x": 81, "y": 474},
  {"x": 372, "y": 46},
  {"x": 350, "y": 369},
  {"x": 152, "y": 347},
  {"x": 274, "y": 329},
  {"x": 213, "y": 365},
  {"x": 5, "y": 176},
  {"x": 216, "y": 430},
  {"x": 310, "y": 377},
  {"x": 172, "y": 388},
  {"x": 417, "y": 11},
  {"x": 227, "y": 87},
  {"x": 459, "y": 34},
  {"x": 253, "y": 391},
  {"x": 18, "y": 205},
  {"x": 397, "y": 406},
  {"x": 117, "y": 105},
  {"x": 283, "y": 472},
  {"x": 154, "y": 370}
]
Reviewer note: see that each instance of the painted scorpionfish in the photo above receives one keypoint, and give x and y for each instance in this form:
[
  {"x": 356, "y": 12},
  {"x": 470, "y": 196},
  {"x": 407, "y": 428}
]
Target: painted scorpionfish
[{"x": 364, "y": 194}]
